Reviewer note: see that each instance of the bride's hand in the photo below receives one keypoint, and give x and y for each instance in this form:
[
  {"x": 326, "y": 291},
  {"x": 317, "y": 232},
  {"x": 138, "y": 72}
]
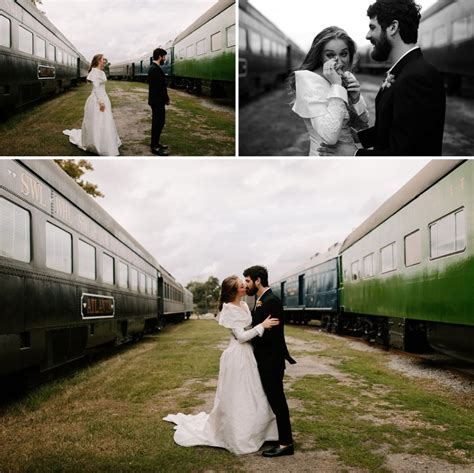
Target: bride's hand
[
  {"x": 102, "y": 107},
  {"x": 269, "y": 322},
  {"x": 353, "y": 87},
  {"x": 330, "y": 73}
]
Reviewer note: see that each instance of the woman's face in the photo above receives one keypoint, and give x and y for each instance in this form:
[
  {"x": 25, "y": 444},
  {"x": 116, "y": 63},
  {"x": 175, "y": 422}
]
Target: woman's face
[
  {"x": 338, "y": 50},
  {"x": 102, "y": 62}
]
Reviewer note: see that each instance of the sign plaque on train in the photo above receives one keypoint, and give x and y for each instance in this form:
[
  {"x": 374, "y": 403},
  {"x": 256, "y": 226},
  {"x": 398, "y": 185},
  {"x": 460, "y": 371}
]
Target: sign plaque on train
[
  {"x": 46, "y": 72},
  {"x": 97, "y": 306}
]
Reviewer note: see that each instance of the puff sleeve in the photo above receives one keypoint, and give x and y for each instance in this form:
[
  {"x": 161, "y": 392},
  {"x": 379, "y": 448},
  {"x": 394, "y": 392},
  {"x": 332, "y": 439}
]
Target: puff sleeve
[
  {"x": 97, "y": 78},
  {"x": 324, "y": 104}
]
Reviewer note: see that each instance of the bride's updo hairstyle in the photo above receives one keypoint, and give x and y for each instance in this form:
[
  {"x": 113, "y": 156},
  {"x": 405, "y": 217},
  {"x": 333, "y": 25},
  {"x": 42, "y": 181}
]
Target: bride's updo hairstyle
[
  {"x": 314, "y": 58},
  {"x": 229, "y": 289},
  {"x": 95, "y": 61}
]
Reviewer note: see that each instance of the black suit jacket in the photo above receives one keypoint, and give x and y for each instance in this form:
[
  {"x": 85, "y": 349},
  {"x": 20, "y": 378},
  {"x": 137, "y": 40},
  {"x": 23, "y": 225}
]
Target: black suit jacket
[
  {"x": 270, "y": 350},
  {"x": 157, "y": 92},
  {"x": 409, "y": 115}
]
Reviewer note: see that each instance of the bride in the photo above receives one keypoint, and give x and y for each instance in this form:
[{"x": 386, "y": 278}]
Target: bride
[
  {"x": 98, "y": 134},
  {"x": 327, "y": 95},
  {"x": 241, "y": 419}
]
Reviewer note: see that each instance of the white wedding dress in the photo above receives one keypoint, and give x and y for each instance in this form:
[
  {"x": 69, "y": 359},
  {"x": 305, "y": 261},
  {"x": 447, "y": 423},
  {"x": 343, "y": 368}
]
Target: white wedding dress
[
  {"x": 98, "y": 134},
  {"x": 241, "y": 419},
  {"x": 327, "y": 113}
]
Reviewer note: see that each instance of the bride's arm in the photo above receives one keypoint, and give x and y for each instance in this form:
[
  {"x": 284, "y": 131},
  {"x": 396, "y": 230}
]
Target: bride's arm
[{"x": 98, "y": 91}]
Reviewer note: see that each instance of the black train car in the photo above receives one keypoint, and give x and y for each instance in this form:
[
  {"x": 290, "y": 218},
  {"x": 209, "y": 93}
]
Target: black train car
[
  {"x": 266, "y": 54},
  {"x": 36, "y": 59},
  {"x": 71, "y": 278}
]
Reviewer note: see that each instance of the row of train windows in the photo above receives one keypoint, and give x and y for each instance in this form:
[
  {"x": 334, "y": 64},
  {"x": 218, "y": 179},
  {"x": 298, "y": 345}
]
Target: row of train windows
[
  {"x": 32, "y": 44},
  {"x": 460, "y": 30},
  {"x": 172, "y": 293},
  {"x": 199, "y": 48},
  {"x": 259, "y": 44},
  {"x": 447, "y": 236},
  {"x": 15, "y": 243}
]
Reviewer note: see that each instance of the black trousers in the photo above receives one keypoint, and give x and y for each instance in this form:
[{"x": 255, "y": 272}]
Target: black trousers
[
  {"x": 157, "y": 124},
  {"x": 272, "y": 382}
]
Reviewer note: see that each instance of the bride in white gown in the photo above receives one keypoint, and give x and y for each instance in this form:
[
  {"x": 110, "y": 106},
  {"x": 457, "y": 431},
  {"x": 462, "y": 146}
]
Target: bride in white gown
[
  {"x": 98, "y": 134},
  {"x": 241, "y": 419}
]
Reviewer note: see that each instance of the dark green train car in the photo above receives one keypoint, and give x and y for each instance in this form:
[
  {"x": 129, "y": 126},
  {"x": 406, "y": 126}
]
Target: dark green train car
[{"x": 408, "y": 270}]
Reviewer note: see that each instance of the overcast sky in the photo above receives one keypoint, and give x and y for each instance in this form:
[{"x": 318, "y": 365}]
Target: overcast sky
[
  {"x": 216, "y": 217},
  {"x": 302, "y": 20},
  {"x": 122, "y": 29}
]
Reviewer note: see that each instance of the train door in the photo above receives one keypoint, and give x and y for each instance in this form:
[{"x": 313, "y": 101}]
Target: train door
[
  {"x": 288, "y": 59},
  {"x": 161, "y": 305},
  {"x": 301, "y": 290},
  {"x": 133, "y": 71},
  {"x": 283, "y": 293},
  {"x": 78, "y": 69}
]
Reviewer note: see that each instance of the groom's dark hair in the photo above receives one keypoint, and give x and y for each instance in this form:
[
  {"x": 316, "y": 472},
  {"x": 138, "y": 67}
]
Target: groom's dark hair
[
  {"x": 255, "y": 272},
  {"x": 159, "y": 52},
  {"x": 406, "y": 12}
]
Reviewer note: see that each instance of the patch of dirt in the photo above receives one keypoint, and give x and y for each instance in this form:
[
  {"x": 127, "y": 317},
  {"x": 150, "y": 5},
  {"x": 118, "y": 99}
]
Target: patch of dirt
[
  {"x": 406, "y": 463},
  {"x": 297, "y": 344}
]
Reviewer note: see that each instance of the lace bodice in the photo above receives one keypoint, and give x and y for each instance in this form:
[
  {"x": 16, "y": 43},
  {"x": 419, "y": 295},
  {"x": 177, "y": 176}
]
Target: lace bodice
[
  {"x": 98, "y": 80},
  {"x": 238, "y": 320}
]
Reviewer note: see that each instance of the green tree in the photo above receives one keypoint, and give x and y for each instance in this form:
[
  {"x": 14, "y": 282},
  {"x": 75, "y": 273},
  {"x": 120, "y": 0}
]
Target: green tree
[
  {"x": 205, "y": 294},
  {"x": 76, "y": 171}
]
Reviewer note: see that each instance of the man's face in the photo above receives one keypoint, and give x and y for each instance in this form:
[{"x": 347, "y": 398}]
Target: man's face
[
  {"x": 378, "y": 37},
  {"x": 162, "y": 60},
  {"x": 250, "y": 286}
]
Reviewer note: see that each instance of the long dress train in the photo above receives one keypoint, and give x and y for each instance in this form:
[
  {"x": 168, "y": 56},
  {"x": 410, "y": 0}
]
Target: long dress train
[
  {"x": 98, "y": 133},
  {"x": 241, "y": 419}
]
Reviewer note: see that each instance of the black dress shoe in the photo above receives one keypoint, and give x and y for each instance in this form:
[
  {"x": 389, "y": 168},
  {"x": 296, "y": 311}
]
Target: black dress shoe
[
  {"x": 279, "y": 451},
  {"x": 160, "y": 146},
  {"x": 159, "y": 152}
]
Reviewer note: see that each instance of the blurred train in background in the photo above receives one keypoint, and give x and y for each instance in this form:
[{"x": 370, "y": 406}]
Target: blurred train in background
[
  {"x": 404, "y": 277},
  {"x": 36, "y": 59},
  {"x": 72, "y": 280},
  {"x": 201, "y": 58},
  {"x": 266, "y": 54},
  {"x": 446, "y": 38}
]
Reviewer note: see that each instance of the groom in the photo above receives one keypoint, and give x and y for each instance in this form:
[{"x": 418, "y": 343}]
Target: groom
[
  {"x": 157, "y": 99},
  {"x": 271, "y": 352},
  {"x": 410, "y": 106}
]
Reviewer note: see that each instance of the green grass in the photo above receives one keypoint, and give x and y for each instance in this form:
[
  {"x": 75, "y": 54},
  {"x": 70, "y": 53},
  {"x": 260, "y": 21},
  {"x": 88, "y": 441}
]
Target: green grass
[
  {"x": 108, "y": 415},
  {"x": 191, "y": 129}
]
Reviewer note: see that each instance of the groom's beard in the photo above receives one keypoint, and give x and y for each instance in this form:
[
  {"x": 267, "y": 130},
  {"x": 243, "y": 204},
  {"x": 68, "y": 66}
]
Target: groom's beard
[
  {"x": 382, "y": 48},
  {"x": 251, "y": 292}
]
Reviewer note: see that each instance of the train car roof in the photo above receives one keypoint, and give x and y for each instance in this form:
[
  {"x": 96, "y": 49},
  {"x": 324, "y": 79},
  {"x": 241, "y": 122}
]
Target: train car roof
[
  {"x": 315, "y": 260},
  {"x": 44, "y": 20},
  {"x": 54, "y": 176},
  {"x": 439, "y": 5},
  {"x": 215, "y": 10},
  {"x": 433, "y": 172}
]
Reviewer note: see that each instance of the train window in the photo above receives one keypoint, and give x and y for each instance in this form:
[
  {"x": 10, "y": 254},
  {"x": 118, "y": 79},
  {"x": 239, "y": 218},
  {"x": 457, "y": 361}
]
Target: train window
[
  {"x": 149, "y": 288},
  {"x": 108, "y": 269},
  {"x": 59, "y": 56},
  {"x": 413, "y": 248},
  {"x": 242, "y": 39},
  {"x": 216, "y": 41},
  {"x": 14, "y": 231},
  {"x": 440, "y": 36},
  {"x": 387, "y": 258},
  {"x": 425, "y": 40},
  {"x": 133, "y": 279},
  {"x": 25, "y": 40},
  {"x": 142, "y": 283},
  {"x": 230, "y": 36},
  {"x": 58, "y": 249},
  {"x": 155, "y": 286},
  {"x": 51, "y": 52},
  {"x": 5, "y": 32},
  {"x": 123, "y": 275},
  {"x": 40, "y": 47},
  {"x": 190, "y": 51},
  {"x": 369, "y": 266},
  {"x": 86, "y": 260},
  {"x": 201, "y": 47},
  {"x": 267, "y": 47},
  {"x": 255, "y": 42},
  {"x": 448, "y": 234},
  {"x": 461, "y": 30},
  {"x": 355, "y": 270}
]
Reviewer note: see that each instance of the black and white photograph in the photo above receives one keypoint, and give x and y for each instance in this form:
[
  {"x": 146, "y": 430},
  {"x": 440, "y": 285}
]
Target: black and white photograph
[{"x": 387, "y": 78}]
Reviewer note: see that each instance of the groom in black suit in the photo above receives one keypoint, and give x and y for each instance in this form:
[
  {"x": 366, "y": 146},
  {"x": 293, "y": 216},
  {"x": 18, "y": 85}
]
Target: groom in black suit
[
  {"x": 157, "y": 99},
  {"x": 410, "y": 106},
  {"x": 270, "y": 351}
]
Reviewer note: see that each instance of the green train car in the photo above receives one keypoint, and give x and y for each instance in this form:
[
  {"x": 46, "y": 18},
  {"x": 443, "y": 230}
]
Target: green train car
[{"x": 408, "y": 270}]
